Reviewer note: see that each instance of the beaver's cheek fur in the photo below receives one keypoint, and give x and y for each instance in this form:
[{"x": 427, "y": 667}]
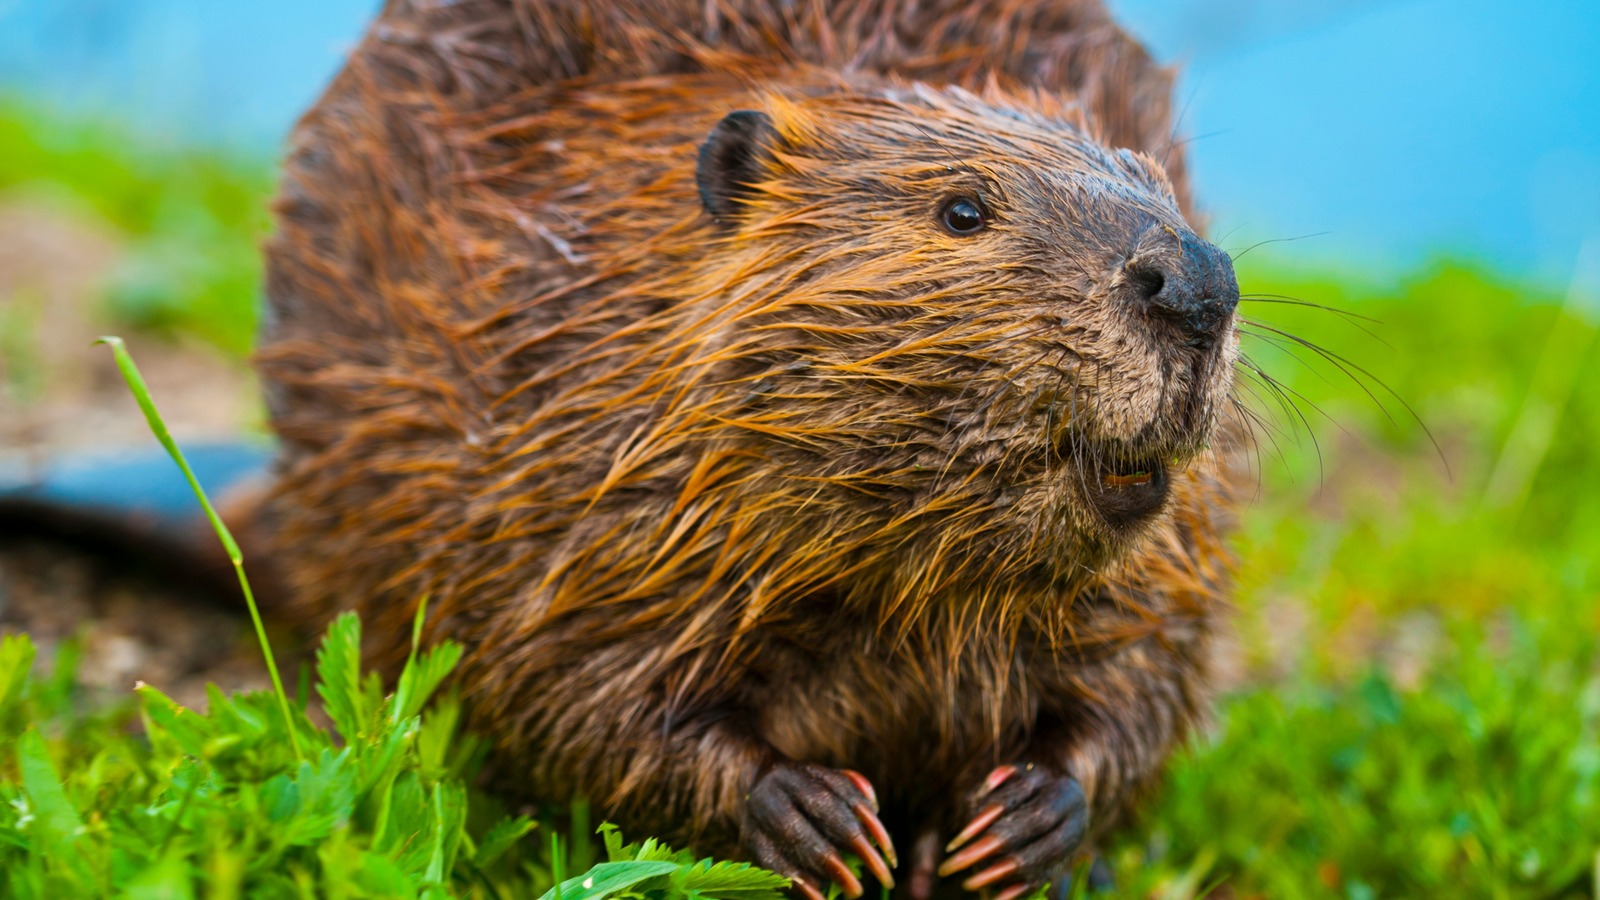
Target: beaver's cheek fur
[
  {"x": 1150, "y": 397},
  {"x": 928, "y": 392}
]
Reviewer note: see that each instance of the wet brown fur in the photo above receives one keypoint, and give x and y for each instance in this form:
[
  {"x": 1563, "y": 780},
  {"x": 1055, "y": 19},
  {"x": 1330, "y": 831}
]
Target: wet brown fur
[{"x": 807, "y": 483}]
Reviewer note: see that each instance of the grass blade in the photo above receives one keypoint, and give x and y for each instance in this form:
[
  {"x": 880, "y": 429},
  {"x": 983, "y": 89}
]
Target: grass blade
[
  {"x": 141, "y": 394},
  {"x": 57, "y": 823}
]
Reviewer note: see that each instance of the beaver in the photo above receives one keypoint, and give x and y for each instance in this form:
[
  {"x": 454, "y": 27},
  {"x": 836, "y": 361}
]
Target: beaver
[{"x": 814, "y": 419}]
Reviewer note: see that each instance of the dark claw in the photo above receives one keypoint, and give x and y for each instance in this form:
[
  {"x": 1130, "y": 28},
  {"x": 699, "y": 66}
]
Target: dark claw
[
  {"x": 1027, "y": 825},
  {"x": 800, "y": 819}
]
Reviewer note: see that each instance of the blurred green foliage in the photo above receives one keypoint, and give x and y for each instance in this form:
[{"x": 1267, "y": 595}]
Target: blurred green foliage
[
  {"x": 1419, "y": 697},
  {"x": 1420, "y": 712},
  {"x": 191, "y": 219}
]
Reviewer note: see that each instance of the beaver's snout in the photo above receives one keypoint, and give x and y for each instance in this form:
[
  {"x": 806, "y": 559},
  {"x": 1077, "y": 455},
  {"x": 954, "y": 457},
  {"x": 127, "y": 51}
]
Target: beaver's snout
[{"x": 1185, "y": 281}]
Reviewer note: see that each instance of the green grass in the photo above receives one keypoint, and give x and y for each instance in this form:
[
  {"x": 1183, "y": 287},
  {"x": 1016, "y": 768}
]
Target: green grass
[
  {"x": 239, "y": 801},
  {"x": 1428, "y": 725},
  {"x": 253, "y": 798},
  {"x": 1418, "y": 713}
]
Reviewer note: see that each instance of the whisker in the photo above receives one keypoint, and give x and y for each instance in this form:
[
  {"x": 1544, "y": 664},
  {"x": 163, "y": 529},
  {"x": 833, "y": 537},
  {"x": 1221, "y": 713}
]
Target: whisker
[
  {"x": 1354, "y": 320},
  {"x": 1284, "y": 347},
  {"x": 1250, "y": 384},
  {"x": 1240, "y": 255},
  {"x": 1296, "y": 301},
  {"x": 1177, "y": 142},
  {"x": 1350, "y": 369},
  {"x": 959, "y": 162},
  {"x": 1255, "y": 419},
  {"x": 1177, "y": 124},
  {"x": 1053, "y": 446},
  {"x": 1268, "y": 382},
  {"x": 1257, "y": 426},
  {"x": 1288, "y": 395},
  {"x": 1230, "y": 233}
]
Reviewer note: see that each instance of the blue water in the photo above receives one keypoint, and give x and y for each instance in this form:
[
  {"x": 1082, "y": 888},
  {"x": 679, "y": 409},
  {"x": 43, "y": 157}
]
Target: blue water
[
  {"x": 134, "y": 484},
  {"x": 1390, "y": 129}
]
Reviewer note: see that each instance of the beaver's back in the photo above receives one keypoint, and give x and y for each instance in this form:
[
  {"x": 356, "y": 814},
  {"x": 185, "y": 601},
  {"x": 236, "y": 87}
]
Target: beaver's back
[
  {"x": 475, "y": 54},
  {"x": 374, "y": 173}
]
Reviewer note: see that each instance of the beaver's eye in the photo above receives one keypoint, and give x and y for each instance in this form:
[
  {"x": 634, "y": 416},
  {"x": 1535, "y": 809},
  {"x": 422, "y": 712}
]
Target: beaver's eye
[{"x": 962, "y": 216}]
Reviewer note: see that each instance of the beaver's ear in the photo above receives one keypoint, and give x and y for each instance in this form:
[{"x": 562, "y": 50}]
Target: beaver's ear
[{"x": 732, "y": 160}]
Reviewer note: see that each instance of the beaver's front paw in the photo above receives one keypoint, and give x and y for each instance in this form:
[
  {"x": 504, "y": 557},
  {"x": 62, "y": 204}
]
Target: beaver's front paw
[
  {"x": 1027, "y": 824},
  {"x": 800, "y": 818}
]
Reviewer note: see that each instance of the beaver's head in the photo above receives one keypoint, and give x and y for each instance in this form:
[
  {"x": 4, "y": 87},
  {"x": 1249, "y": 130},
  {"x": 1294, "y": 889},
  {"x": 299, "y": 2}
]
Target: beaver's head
[{"x": 975, "y": 311}]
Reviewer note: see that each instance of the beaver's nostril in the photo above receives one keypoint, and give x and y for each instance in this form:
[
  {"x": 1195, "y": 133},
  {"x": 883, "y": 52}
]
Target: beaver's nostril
[
  {"x": 1148, "y": 280},
  {"x": 1185, "y": 280}
]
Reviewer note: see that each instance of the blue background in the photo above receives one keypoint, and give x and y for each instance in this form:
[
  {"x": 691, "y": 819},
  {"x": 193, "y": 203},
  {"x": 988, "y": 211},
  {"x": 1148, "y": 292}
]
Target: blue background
[{"x": 1392, "y": 130}]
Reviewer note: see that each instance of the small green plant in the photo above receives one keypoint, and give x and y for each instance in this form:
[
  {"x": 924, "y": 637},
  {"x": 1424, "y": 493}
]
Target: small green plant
[
  {"x": 238, "y": 800},
  {"x": 653, "y": 871},
  {"x": 253, "y": 798}
]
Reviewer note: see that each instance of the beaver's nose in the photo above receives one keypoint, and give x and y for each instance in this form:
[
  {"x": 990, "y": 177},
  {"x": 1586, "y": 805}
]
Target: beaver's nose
[{"x": 1185, "y": 280}]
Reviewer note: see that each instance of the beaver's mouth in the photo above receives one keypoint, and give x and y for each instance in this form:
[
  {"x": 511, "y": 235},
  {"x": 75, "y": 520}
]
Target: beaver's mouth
[{"x": 1124, "y": 493}]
